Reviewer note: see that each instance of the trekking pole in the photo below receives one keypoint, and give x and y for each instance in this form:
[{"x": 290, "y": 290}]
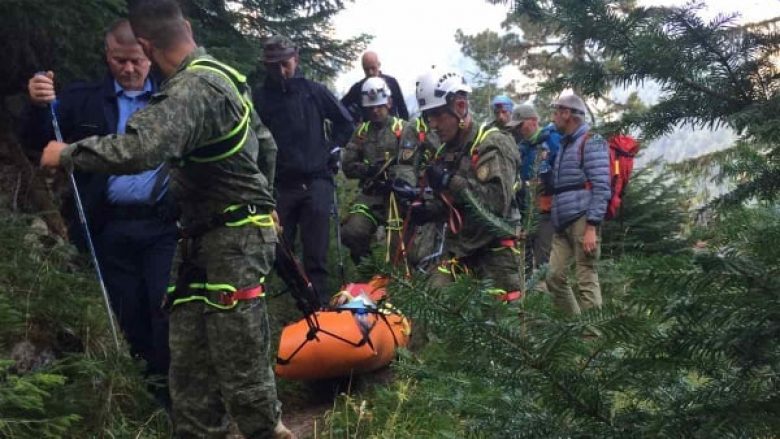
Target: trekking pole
[
  {"x": 338, "y": 230},
  {"x": 87, "y": 235}
]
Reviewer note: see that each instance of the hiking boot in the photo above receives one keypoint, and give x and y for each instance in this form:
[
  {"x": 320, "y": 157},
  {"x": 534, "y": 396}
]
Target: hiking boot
[{"x": 282, "y": 432}]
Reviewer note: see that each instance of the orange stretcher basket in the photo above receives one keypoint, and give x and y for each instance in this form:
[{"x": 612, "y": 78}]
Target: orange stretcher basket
[{"x": 339, "y": 342}]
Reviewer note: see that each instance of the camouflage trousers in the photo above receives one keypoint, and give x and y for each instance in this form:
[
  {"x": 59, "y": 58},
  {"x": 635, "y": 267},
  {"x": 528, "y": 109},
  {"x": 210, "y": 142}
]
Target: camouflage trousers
[
  {"x": 359, "y": 227},
  {"x": 501, "y": 264},
  {"x": 220, "y": 367},
  {"x": 567, "y": 247}
]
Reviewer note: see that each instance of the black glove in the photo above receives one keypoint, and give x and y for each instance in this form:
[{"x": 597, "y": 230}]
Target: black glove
[
  {"x": 438, "y": 176},
  {"x": 334, "y": 159}
]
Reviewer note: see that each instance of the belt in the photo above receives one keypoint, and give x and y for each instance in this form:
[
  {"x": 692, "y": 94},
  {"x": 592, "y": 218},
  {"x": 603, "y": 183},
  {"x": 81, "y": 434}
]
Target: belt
[{"x": 233, "y": 216}]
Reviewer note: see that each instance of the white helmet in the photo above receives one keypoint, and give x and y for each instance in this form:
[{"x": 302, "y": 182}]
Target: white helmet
[
  {"x": 374, "y": 92},
  {"x": 435, "y": 86}
]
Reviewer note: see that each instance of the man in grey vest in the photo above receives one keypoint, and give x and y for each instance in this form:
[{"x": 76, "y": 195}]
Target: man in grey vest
[{"x": 581, "y": 194}]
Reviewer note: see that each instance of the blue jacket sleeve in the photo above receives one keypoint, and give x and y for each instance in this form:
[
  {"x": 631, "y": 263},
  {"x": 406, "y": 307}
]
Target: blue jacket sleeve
[{"x": 596, "y": 168}]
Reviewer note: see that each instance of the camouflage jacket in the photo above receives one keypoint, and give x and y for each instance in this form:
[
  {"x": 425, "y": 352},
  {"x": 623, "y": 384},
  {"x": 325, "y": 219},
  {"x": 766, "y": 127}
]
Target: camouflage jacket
[
  {"x": 416, "y": 149},
  {"x": 192, "y": 107},
  {"x": 488, "y": 170},
  {"x": 372, "y": 144}
]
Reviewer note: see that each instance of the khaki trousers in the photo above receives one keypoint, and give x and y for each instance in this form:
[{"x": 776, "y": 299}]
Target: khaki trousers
[{"x": 567, "y": 245}]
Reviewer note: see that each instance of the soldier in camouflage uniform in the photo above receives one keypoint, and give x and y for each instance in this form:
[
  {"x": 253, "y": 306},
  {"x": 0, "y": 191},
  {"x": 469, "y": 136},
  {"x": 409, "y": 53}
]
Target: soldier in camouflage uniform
[
  {"x": 369, "y": 156},
  {"x": 472, "y": 174},
  {"x": 203, "y": 124},
  {"x": 416, "y": 149}
]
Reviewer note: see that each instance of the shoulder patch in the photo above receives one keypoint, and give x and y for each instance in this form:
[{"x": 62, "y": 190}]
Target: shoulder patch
[{"x": 483, "y": 172}]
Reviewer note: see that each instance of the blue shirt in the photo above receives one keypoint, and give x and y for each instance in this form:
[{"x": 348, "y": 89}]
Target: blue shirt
[
  {"x": 549, "y": 139},
  {"x": 133, "y": 189}
]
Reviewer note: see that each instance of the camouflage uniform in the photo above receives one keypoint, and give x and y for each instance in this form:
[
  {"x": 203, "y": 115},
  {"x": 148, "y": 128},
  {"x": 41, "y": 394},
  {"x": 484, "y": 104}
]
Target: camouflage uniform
[
  {"x": 219, "y": 354},
  {"x": 372, "y": 146},
  {"x": 487, "y": 167},
  {"x": 416, "y": 149}
]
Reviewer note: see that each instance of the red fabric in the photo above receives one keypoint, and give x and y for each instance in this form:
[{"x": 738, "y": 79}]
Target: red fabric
[
  {"x": 622, "y": 150},
  {"x": 510, "y": 296},
  {"x": 228, "y": 299}
]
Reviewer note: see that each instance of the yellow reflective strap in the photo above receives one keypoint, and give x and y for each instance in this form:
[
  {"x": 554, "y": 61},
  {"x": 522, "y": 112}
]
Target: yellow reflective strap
[
  {"x": 495, "y": 291},
  {"x": 362, "y": 209},
  {"x": 206, "y": 301},
  {"x": 242, "y": 124},
  {"x": 420, "y": 126},
  {"x": 264, "y": 220},
  {"x": 482, "y": 133},
  {"x": 363, "y": 129},
  {"x": 234, "y": 72},
  {"x": 513, "y": 249},
  {"x": 213, "y": 287},
  {"x": 171, "y": 288}
]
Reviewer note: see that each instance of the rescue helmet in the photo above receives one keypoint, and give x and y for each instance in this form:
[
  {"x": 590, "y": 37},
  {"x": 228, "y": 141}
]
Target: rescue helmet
[
  {"x": 374, "y": 92},
  {"x": 436, "y": 87}
]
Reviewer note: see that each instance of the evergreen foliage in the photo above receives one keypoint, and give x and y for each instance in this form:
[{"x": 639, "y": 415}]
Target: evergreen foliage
[
  {"x": 59, "y": 373},
  {"x": 686, "y": 348}
]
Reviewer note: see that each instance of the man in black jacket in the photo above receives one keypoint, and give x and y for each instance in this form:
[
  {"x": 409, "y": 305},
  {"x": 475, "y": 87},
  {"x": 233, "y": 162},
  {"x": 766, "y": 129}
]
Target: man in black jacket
[
  {"x": 295, "y": 109},
  {"x": 371, "y": 67},
  {"x": 131, "y": 216}
]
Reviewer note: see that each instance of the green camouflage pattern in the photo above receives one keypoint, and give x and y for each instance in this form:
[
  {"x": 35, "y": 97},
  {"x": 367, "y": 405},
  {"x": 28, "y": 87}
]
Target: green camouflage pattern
[
  {"x": 220, "y": 358},
  {"x": 499, "y": 157},
  {"x": 416, "y": 148},
  {"x": 191, "y": 108},
  {"x": 373, "y": 144}
]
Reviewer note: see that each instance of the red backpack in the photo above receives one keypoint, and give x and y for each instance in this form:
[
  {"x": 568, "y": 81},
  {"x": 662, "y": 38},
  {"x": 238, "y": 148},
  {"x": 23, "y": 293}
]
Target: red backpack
[{"x": 622, "y": 150}]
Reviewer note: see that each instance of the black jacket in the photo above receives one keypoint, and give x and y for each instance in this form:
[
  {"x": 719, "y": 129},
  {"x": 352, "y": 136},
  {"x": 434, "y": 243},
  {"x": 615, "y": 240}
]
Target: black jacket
[
  {"x": 295, "y": 112},
  {"x": 351, "y": 100},
  {"x": 83, "y": 109}
]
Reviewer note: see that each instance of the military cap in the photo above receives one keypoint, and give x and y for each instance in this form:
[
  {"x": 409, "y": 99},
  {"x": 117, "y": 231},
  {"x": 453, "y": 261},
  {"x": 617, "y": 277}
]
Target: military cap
[
  {"x": 521, "y": 113},
  {"x": 278, "y": 48}
]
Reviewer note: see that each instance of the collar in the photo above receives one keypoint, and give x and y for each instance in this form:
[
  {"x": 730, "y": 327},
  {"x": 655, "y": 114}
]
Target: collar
[
  {"x": 582, "y": 129},
  {"x": 145, "y": 92}
]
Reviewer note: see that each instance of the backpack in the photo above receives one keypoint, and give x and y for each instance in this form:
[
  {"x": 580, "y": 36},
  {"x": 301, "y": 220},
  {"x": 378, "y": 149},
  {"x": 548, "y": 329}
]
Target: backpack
[{"x": 622, "y": 151}]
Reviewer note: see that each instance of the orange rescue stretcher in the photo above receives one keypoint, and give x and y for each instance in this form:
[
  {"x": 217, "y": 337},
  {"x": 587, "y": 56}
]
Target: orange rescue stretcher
[{"x": 356, "y": 337}]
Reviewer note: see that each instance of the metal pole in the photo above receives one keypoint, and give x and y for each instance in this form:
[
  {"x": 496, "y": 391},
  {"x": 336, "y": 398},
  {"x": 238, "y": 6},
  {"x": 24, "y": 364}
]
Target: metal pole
[
  {"x": 338, "y": 230},
  {"x": 87, "y": 235}
]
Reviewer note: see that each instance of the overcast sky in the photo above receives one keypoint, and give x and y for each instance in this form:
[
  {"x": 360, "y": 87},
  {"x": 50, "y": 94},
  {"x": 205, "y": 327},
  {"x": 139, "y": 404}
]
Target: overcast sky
[{"x": 412, "y": 35}]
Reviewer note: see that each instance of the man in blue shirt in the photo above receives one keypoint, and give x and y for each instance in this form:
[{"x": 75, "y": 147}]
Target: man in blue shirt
[{"x": 131, "y": 217}]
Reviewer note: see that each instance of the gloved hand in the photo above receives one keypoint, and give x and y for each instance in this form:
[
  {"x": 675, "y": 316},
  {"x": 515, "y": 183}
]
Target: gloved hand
[
  {"x": 334, "y": 159},
  {"x": 438, "y": 176}
]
